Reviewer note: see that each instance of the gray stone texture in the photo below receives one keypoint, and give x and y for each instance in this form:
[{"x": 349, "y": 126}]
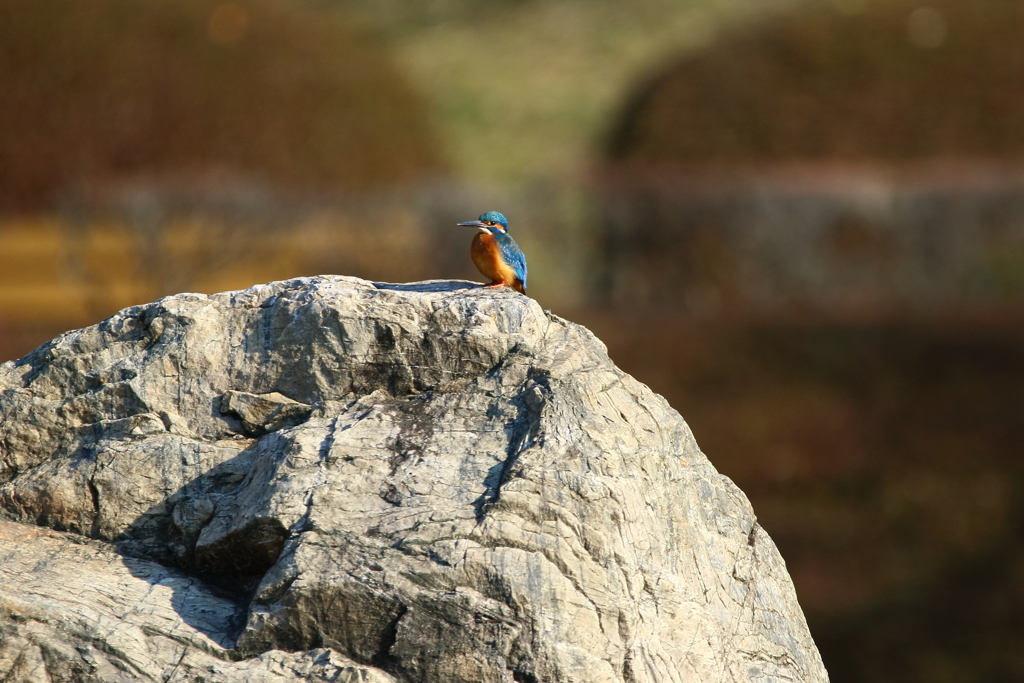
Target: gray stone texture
[{"x": 331, "y": 479}]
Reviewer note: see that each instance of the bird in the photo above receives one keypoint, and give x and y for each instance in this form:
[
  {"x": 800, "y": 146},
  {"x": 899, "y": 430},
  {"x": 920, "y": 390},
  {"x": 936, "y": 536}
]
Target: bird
[{"x": 496, "y": 254}]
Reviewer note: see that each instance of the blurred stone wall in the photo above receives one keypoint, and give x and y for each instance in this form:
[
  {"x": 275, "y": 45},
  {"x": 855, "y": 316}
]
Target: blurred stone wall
[{"x": 817, "y": 238}]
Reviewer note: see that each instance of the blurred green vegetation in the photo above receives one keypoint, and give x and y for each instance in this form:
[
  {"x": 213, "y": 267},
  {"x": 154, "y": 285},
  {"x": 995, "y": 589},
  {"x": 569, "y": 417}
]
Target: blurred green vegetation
[
  {"x": 849, "y": 153},
  {"x": 525, "y": 90},
  {"x": 886, "y": 80}
]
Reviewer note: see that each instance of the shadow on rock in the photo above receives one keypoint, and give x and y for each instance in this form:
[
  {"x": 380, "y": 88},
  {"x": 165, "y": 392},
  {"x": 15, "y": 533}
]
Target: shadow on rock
[
  {"x": 311, "y": 530},
  {"x": 428, "y": 286},
  {"x": 167, "y": 534}
]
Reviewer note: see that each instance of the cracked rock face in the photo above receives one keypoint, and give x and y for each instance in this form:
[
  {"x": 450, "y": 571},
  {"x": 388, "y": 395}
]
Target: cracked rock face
[{"x": 330, "y": 479}]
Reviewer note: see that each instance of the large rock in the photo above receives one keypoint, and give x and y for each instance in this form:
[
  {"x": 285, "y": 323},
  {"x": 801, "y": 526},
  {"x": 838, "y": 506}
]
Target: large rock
[{"x": 330, "y": 479}]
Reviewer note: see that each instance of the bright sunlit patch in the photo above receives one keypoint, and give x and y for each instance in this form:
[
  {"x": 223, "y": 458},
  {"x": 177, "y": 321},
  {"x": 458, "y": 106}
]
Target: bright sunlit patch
[
  {"x": 926, "y": 28},
  {"x": 228, "y": 24}
]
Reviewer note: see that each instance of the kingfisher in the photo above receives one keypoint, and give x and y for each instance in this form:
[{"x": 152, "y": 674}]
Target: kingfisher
[{"x": 496, "y": 254}]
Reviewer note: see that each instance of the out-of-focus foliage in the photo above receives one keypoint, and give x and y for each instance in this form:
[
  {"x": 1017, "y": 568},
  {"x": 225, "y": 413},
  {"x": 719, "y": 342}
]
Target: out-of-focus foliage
[
  {"x": 849, "y": 154},
  {"x": 853, "y": 79},
  {"x": 268, "y": 91},
  {"x": 523, "y": 90}
]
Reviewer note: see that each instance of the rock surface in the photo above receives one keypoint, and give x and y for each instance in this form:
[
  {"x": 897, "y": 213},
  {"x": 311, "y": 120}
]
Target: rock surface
[{"x": 331, "y": 479}]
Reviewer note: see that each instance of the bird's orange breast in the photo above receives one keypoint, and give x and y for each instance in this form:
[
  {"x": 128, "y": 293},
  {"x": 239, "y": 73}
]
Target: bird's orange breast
[{"x": 487, "y": 258}]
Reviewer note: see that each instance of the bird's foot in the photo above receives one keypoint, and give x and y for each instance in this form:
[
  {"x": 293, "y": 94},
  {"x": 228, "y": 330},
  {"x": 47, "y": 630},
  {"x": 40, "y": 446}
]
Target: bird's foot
[{"x": 492, "y": 285}]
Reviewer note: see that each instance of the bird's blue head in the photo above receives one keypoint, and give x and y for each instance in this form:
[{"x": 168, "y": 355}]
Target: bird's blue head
[
  {"x": 494, "y": 217},
  {"x": 492, "y": 222}
]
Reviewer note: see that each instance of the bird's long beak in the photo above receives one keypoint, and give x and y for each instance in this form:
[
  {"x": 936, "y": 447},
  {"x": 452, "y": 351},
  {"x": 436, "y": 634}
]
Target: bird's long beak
[{"x": 476, "y": 224}]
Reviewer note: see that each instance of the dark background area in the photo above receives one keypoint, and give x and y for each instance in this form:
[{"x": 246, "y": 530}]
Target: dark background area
[{"x": 804, "y": 228}]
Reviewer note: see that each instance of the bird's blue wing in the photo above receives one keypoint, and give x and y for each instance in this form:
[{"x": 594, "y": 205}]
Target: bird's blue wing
[{"x": 513, "y": 256}]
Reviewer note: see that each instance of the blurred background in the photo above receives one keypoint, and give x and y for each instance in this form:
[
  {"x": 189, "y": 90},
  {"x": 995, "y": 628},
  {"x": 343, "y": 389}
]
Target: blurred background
[{"x": 802, "y": 221}]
